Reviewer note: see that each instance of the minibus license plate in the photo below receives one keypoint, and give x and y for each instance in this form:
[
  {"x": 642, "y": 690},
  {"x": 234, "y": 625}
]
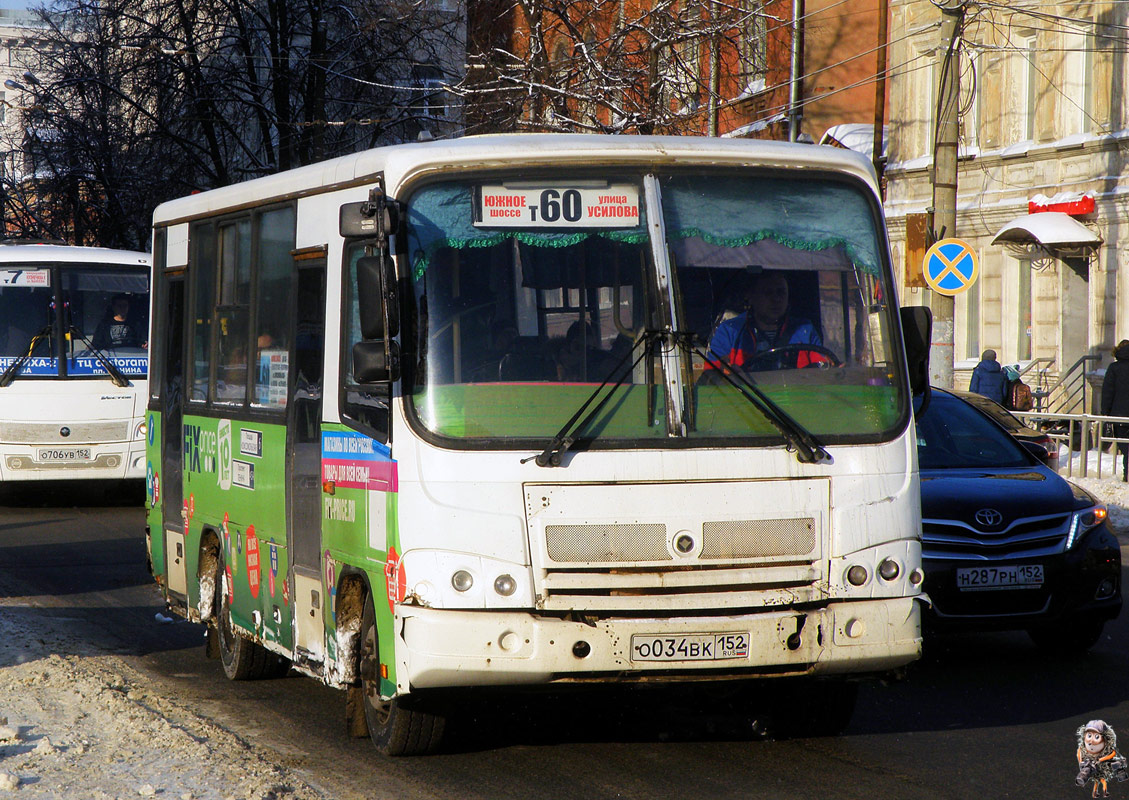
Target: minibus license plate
[
  {"x": 690, "y": 647},
  {"x": 57, "y": 454},
  {"x": 1012, "y": 576}
]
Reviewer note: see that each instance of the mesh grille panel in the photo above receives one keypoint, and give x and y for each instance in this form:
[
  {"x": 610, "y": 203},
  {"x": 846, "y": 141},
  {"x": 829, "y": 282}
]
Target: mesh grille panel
[
  {"x": 643, "y": 542},
  {"x": 758, "y": 538},
  {"x": 48, "y": 432}
]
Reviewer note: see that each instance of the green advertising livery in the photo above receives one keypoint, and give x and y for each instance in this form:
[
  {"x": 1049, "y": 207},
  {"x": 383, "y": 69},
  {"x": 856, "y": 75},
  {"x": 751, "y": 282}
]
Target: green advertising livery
[{"x": 538, "y": 411}]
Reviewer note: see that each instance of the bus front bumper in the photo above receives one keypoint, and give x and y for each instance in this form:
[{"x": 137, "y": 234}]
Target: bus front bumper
[{"x": 440, "y": 648}]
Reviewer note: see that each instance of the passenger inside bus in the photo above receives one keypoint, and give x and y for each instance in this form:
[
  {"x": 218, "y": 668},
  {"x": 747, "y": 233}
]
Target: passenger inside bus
[
  {"x": 764, "y": 335},
  {"x": 118, "y": 327}
]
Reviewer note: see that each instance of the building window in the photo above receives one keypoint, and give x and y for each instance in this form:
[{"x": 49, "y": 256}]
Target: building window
[
  {"x": 1028, "y": 86},
  {"x": 1075, "y": 83},
  {"x": 972, "y": 321}
]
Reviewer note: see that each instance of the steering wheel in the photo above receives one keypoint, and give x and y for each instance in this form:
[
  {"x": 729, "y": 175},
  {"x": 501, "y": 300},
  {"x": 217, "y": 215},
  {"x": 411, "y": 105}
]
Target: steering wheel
[{"x": 780, "y": 354}]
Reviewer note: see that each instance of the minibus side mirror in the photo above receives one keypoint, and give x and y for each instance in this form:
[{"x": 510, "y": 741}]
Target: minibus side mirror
[
  {"x": 375, "y": 218},
  {"x": 917, "y": 331},
  {"x": 377, "y": 297},
  {"x": 373, "y": 364}
]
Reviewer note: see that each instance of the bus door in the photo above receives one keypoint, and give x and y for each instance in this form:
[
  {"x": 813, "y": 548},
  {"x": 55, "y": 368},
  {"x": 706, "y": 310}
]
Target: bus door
[
  {"x": 303, "y": 455},
  {"x": 172, "y": 402}
]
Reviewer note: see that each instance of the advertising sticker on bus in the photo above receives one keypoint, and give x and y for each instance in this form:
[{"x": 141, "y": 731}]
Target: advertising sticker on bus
[{"x": 558, "y": 206}]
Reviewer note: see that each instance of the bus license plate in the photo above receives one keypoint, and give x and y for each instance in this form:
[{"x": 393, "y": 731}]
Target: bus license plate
[
  {"x": 1014, "y": 576},
  {"x": 690, "y": 647},
  {"x": 57, "y": 454}
]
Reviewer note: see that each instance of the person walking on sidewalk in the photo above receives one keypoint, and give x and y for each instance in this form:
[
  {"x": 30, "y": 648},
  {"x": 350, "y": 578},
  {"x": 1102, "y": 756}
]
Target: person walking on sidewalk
[
  {"x": 1115, "y": 400},
  {"x": 988, "y": 378}
]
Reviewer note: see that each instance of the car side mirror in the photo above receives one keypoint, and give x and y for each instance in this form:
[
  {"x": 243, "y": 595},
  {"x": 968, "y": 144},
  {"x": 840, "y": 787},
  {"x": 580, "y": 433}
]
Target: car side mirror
[
  {"x": 917, "y": 332},
  {"x": 1037, "y": 450}
]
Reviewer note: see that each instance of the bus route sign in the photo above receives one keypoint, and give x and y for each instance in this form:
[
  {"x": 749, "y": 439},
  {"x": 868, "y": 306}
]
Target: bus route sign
[{"x": 950, "y": 267}]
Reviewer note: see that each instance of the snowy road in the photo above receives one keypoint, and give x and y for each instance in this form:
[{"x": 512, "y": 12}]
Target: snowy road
[{"x": 104, "y": 700}]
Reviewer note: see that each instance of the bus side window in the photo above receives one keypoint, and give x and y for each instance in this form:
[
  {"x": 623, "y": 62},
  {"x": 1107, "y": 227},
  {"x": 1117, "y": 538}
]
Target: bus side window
[{"x": 367, "y": 406}]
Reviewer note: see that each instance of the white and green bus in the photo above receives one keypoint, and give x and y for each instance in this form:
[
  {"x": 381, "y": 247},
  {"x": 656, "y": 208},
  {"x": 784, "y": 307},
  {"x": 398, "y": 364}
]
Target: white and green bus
[
  {"x": 74, "y": 362},
  {"x": 453, "y": 415}
]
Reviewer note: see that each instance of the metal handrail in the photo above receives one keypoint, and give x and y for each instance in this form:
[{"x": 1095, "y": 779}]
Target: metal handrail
[
  {"x": 1071, "y": 377},
  {"x": 1087, "y": 429}
]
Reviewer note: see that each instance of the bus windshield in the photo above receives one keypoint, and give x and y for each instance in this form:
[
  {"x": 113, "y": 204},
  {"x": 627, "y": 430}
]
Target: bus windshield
[
  {"x": 65, "y": 321},
  {"x": 529, "y": 295}
]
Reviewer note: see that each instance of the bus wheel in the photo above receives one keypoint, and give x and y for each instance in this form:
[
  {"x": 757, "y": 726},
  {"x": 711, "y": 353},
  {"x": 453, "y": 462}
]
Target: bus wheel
[
  {"x": 242, "y": 659},
  {"x": 400, "y": 726}
]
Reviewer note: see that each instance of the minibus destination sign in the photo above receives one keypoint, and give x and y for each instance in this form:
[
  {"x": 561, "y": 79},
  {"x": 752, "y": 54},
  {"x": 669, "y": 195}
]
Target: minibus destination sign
[{"x": 559, "y": 206}]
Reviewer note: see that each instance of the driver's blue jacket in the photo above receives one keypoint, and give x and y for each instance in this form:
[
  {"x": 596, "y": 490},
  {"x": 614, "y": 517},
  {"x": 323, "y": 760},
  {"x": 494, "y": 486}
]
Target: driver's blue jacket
[{"x": 736, "y": 341}]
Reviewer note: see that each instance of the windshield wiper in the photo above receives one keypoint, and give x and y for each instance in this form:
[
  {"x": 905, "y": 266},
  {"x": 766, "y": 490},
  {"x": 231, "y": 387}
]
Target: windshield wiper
[
  {"x": 566, "y": 436},
  {"x": 111, "y": 369},
  {"x": 808, "y": 449},
  {"x": 14, "y": 368}
]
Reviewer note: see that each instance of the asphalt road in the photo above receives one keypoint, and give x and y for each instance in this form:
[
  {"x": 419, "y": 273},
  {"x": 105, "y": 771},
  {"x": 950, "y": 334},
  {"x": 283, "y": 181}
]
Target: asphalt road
[{"x": 979, "y": 716}]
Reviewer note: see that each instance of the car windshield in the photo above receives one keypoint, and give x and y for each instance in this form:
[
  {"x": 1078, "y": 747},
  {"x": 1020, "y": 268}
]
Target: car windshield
[
  {"x": 528, "y": 295},
  {"x": 58, "y": 316},
  {"x": 951, "y": 434}
]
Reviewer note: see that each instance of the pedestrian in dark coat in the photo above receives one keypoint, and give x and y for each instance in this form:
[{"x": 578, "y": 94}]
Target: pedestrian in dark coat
[
  {"x": 988, "y": 378},
  {"x": 1115, "y": 399}
]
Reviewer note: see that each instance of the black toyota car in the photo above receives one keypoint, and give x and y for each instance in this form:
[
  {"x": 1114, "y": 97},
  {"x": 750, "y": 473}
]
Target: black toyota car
[{"x": 1008, "y": 544}]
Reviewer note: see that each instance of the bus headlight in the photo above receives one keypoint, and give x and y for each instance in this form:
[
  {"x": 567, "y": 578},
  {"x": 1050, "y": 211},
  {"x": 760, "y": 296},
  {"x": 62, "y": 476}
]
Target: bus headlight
[
  {"x": 505, "y": 585},
  {"x": 462, "y": 581},
  {"x": 441, "y": 579},
  {"x": 889, "y": 569},
  {"x": 140, "y": 430},
  {"x": 857, "y": 575}
]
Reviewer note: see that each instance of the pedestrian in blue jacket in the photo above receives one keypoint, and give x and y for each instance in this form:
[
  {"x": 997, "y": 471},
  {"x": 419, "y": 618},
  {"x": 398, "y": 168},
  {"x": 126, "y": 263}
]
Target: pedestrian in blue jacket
[{"x": 988, "y": 378}]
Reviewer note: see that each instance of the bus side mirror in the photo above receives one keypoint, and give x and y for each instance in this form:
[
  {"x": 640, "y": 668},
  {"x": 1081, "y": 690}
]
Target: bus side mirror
[
  {"x": 373, "y": 364},
  {"x": 377, "y": 298},
  {"x": 917, "y": 331},
  {"x": 375, "y": 218}
]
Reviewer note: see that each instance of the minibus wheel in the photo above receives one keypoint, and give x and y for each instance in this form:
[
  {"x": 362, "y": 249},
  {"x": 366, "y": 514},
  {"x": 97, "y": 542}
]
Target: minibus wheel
[
  {"x": 400, "y": 726},
  {"x": 242, "y": 659}
]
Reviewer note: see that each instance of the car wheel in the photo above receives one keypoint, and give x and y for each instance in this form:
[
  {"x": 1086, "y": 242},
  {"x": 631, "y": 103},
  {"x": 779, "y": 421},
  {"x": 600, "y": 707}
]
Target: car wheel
[
  {"x": 400, "y": 726},
  {"x": 1068, "y": 637}
]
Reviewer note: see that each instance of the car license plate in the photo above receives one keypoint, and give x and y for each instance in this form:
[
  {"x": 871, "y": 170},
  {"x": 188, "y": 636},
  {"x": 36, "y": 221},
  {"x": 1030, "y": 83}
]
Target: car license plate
[
  {"x": 1014, "y": 576},
  {"x": 57, "y": 454},
  {"x": 690, "y": 647}
]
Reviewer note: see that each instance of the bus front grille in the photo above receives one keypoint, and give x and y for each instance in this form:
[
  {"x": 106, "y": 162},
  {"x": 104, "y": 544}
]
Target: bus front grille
[
  {"x": 673, "y": 590},
  {"x": 729, "y": 564},
  {"x": 51, "y": 432}
]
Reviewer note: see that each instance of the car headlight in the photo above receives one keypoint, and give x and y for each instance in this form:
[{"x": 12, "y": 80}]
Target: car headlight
[{"x": 1085, "y": 520}]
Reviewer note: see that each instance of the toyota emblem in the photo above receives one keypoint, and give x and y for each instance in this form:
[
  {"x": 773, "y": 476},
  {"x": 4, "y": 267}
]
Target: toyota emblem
[
  {"x": 64, "y": 431},
  {"x": 989, "y": 517}
]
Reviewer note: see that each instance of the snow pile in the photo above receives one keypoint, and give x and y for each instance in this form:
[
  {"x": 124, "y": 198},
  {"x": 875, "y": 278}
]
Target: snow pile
[{"x": 85, "y": 726}]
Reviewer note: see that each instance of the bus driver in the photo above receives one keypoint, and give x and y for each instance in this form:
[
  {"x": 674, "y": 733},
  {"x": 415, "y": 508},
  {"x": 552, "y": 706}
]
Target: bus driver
[{"x": 765, "y": 325}]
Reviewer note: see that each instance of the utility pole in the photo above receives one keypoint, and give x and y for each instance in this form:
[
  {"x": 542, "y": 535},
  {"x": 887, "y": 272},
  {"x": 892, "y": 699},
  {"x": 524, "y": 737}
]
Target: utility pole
[
  {"x": 945, "y": 187},
  {"x": 796, "y": 98},
  {"x": 880, "y": 92}
]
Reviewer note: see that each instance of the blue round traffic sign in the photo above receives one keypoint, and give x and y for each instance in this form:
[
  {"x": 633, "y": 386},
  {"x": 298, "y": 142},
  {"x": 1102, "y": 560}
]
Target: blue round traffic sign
[{"x": 950, "y": 267}]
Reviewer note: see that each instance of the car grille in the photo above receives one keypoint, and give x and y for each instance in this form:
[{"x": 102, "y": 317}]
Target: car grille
[{"x": 1023, "y": 538}]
